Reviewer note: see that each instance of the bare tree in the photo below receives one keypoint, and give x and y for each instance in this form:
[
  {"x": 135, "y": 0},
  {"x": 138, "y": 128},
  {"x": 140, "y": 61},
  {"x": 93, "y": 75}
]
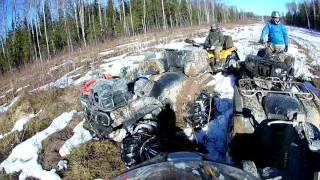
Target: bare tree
[
  {"x": 81, "y": 13},
  {"x": 58, "y": 9},
  {"x": 144, "y": 17},
  {"x": 94, "y": 26},
  {"x": 124, "y": 19},
  {"x": 66, "y": 27},
  {"x": 199, "y": 9},
  {"x": 37, "y": 34},
  {"x": 131, "y": 18},
  {"x": 76, "y": 18},
  {"x": 100, "y": 18},
  {"x": 190, "y": 11},
  {"x": 305, "y": 8},
  {"x": 207, "y": 10},
  {"x": 45, "y": 29},
  {"x": 314, "y": 14},
  {"x": 4, "y": 28},
  {"x": 212, "y": 10},
  {"x": 32, "y": 32},
  {"x": 163, "y": 16}
]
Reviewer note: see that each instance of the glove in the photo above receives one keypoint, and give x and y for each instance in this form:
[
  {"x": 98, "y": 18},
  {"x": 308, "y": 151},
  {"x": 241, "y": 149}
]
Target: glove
[
  {"x": 286, "y": 49},
  {"x": 261, "y": 41},
  {"x": 212, "y": 48}
]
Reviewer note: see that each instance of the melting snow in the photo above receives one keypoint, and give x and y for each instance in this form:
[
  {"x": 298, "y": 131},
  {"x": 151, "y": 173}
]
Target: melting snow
[
  {"x": 19, "y": 89},
  {"x": 80, "y": 136},
  {"x": 4, "y": 108},
  {"x": 63, "y": 82},
  {"x": 129, "y": 45},
  {"x": 63, "y": 164},
  {"x": 18, "y": 126},
  {"x": 57, "y": 67},
  {"x": 214, "y": 136},
  {"x": 24, "y": 157},
  {"x": 106, "y": 52}
]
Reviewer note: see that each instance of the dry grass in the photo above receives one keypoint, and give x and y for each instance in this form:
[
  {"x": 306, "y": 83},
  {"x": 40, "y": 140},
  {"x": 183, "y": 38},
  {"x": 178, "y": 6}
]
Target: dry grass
[
  {"x": 53, "y": 103},
  {"x": 94, "y": 159},
  {"x": 151, "y": 65},
  {"x": 316, "y": 81},
  {"x": 49, "y": 155},
  {"x": 9, "y": 176},
  {"x": 303, "y": 50}
]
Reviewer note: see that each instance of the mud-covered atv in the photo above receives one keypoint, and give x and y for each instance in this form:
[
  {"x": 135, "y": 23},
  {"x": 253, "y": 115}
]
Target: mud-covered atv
[
  {"x": 144, "y": 107},
  {"x": 268, "y": 66},
  {"x": 229, "y": 59},
  {"x": 276, "y": 126}
]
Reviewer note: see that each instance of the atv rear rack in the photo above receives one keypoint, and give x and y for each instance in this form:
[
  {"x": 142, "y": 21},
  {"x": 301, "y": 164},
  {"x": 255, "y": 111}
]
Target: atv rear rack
[{"x": 251, "y": 87}]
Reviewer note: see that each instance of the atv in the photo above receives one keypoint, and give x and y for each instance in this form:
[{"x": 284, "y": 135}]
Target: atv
[
  {"x": 229, "y": 59},
  {"x": 268, "y": 65},
  {"x": 276, "y": 124},
  {"x": 143, "y": 106}
]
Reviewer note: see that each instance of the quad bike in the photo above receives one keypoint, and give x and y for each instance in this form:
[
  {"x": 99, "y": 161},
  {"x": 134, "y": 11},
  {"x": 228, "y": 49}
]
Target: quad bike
[
  {"x": 137, "y": 104},
  {"x": 229, "y": 59},
  {"x": 268, "y": 65},
  {"x": 276, "y": 127}
]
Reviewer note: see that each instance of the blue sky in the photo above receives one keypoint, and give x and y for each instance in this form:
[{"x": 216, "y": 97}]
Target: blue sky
[{"x": 260, "y": 7}]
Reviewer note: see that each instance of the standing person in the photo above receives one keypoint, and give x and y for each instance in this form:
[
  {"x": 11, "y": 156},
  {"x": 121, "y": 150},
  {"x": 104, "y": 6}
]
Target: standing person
[
  {"x": 277, "y": 34},
  {"x": 216, "y": 39}
]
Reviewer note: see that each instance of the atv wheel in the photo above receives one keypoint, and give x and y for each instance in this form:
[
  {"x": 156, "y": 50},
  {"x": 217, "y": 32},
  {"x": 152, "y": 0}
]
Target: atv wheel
[
  {"x": 232, "y": 62},
  {"x": 201, "y": 110},
  {"x": 150, "y": 148},
  {"x": 141, "y": 144},
  {"x": 138, "y": 148}
]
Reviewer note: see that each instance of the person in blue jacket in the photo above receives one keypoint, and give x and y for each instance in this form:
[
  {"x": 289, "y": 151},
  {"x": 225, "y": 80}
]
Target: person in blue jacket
[{"x": 277, "y": 34}]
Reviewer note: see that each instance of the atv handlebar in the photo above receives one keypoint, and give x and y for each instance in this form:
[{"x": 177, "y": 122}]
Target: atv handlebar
[{"x": 193, "y": 43}]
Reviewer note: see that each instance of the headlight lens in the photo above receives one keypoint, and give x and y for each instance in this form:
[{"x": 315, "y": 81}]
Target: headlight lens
[
  {"x": 277, "y": 71},
  {"x": 252, "y": 64}
]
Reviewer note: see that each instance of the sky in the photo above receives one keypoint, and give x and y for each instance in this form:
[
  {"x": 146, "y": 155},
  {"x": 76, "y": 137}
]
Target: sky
[{"x": 260, "y": 7}]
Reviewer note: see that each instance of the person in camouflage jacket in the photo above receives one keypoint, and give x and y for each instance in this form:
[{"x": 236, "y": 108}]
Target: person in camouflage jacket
[{"x": 216, "y": 40}]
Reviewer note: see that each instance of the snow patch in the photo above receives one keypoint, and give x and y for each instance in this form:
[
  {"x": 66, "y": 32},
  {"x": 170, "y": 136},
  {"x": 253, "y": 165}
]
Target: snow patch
[
  {"x": 57, "y": 67},
  {"x": 106, "y": 52},
  {"x": 25, "y": 155},
  {"x": 18, "y": 126},
  {"x": 63, "y": 82},
  {"x": 129, "y": 45},
  {"x": 214, "y": 136},
  {"x": 4, "y": 108},
  {"x": 80, "y": 136},
  {"x": 62, "y": 164},
  {"x": 19, "y": 89}
]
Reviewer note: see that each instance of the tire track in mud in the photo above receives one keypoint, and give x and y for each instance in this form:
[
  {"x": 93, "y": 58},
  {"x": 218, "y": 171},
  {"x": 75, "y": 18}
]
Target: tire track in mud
[{"x": 308, "y": 48}]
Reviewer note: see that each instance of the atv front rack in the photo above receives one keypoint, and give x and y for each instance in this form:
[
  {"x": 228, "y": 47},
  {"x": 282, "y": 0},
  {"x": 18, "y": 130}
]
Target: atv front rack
[{"x": 252, "y": 87}]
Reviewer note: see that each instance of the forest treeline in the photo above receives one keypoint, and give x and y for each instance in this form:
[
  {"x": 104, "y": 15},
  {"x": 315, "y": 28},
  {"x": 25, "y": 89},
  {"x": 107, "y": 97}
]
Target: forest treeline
[
  {"x": 305, "y": 13},
  {"x": 36, "y": 30}
]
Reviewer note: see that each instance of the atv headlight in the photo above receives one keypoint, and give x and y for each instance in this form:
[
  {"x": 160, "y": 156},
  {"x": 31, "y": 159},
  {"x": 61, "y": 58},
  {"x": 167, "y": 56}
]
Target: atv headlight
[
  {"x": 277, "y": 71},
  {"x": 252, "y": 64}
]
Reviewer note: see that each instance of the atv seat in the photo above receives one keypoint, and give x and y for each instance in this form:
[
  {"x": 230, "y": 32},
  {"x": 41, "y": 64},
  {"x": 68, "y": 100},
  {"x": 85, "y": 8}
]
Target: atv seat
[{"x": 228, "y": 43}]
